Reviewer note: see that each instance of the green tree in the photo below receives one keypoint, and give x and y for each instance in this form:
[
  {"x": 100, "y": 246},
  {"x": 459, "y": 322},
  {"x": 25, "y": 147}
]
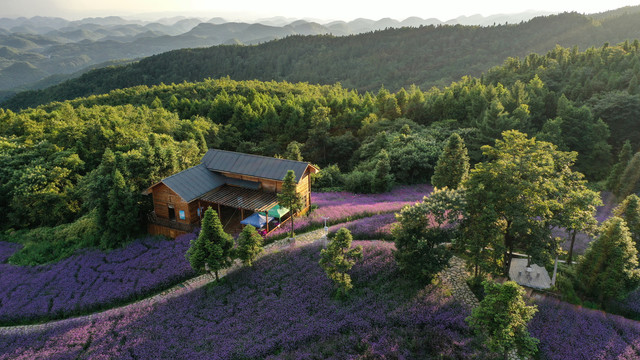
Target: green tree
[
  {"x": 608, "y": 269},
  {"x": 625, "y": 155},
  {"x": 212, "y": 248},
  {"x": 501, "y": 320},
  {"x": 382, "y": 180},
  {"x": 249, "y": 245},
  {"x": 630, "y": 179},
  {"x": 417, "y": 243},
  {"x": 338, "y": 258},
  {"x": 289, "y": 197},
  {"x": 516, "y": 194},
  {"x": 629, "y": 210},
  {"x": 293, "y": 151},
  {"x": 453, "y": 165},
  {"x": 122, "y": 214},
  {"x": 578, "y": 210}
]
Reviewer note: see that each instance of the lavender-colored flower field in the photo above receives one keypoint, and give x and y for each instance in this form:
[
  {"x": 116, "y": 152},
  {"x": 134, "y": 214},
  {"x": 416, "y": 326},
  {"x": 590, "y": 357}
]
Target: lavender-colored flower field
[
  {"x": 568, "y": 332},
  {"x": 374, "y": 227},
  {"x": 280, "y": 308},
  {"x": 7, "y": 249},
  {"x": 344, "y": 206},
  {"x": 89, "y": 280}
]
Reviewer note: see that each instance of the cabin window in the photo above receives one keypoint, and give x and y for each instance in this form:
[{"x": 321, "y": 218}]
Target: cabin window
[
  {"x": 182, "y": 215},
  {"x": 172, "y": 213},
  {"x": 198, "y": 211}
]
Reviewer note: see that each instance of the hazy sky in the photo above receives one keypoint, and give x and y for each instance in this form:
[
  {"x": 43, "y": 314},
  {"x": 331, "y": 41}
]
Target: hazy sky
[{"x": 325, "y": 9}]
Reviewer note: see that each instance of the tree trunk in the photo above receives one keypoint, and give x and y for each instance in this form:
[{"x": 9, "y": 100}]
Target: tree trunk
[
  {"x": 292, "y": 234},
  {"x": 217, "y": 278},
  {"x": 508, "y": 253},
  {"x": 573, "y": 240}
]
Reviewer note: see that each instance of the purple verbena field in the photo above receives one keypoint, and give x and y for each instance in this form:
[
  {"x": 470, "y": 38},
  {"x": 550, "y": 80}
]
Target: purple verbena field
[
  {"x": 374, "y": 227},
  {"x": 283, "y": 307},
  {"x": 7, "y": 249},
  {"x": 90, "y": 279},
  {"x": 568, "y": 332},
  {"x": 344, "y": 206}
]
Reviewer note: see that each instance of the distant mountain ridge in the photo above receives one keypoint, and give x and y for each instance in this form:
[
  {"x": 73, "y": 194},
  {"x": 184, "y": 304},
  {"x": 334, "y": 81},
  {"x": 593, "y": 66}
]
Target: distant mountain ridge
[
  {"x": 55, "y": 46},
  {"x": 426, "y": 56}
]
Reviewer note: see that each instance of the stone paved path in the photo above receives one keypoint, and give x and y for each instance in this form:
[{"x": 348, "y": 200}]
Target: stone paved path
[
  {"x": 455, "y": 277},
  {"x": 177, "y": 290}
]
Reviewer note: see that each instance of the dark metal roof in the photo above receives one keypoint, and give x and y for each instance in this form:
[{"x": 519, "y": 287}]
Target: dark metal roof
[
  {"x": 252, "y": 165},
  {"x": 193, "y": 182},
  {"x": 241, "y": 198}
]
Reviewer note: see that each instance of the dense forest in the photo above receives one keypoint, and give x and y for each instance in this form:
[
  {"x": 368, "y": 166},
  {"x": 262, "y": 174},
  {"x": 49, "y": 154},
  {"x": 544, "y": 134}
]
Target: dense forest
[
  {"x": 426, "y": 56},
  {"x": 69, "y": 169}
]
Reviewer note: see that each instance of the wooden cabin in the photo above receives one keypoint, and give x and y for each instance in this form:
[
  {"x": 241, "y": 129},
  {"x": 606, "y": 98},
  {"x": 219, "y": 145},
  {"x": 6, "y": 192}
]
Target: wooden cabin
[{"x": 234, "y": 184}]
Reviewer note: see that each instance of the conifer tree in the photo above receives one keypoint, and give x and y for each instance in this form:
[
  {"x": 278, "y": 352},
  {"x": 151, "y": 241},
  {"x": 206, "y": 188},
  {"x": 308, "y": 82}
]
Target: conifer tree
[
  {"x": 122, "y": 213},
  {"x": 289, "y": 197},
  {"x": 453, "y": 165},
  {"x": 212, "y": 248},
  {"x": 625, "y": 155},
  {"x": 249, "y": 245},
  {"x": 629, "y": 181},
  {"x": 293, "y": 151},
  {"x": 382, "y": 180},
  {"x": 501, "y": 320},
  {"x": 629, "y": 210},
  {"x": 338, "y": 258},
  {"x": 608, "y": 269}
]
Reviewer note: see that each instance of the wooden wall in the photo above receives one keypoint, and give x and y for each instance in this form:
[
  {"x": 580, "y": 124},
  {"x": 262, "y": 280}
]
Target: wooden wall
[
  {"x": 154, "y": 229},
  {"x": 163, "y": 196}
]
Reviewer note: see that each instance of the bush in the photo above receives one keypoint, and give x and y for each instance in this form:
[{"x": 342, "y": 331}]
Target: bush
[
  {"x": 50, "y": 244},
  {"x": 359, "y": 181},
  {"x": 328, "y": 179}
]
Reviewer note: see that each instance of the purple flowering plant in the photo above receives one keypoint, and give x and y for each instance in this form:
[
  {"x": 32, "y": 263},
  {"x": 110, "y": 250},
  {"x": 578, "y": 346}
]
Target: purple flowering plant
[{"x": 89, "y": 280}]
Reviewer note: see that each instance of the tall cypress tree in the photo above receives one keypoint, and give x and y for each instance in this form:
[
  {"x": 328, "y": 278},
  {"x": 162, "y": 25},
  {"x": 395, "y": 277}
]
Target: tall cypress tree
[
  {"x": 338, "y": 258},
  {"x": 382, "y": 180},
  {"x": 625, "y": 155},
  {"x": 608, "y": 270},
  {"x": 630, "y": 179},
  {"x": 212, "y": 248},
  {"x": 289, "y": 196},
  {"x": 122, "y": 213},
  {"x": 249, "y": 245},
  {"x": 453, "y": 164},
  {"x": 629, "y": 210}
]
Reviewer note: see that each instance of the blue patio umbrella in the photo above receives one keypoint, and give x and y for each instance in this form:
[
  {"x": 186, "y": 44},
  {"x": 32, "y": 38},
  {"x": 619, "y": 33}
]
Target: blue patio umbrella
[{"x": 256, "y": 220}]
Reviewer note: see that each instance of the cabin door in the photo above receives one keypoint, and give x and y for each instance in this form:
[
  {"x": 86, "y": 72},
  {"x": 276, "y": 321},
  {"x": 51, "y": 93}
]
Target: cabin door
[{"x": 172, "y": 213}]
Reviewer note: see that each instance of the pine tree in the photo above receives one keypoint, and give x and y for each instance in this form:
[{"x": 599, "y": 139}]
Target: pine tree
[
  {"x": 289, "y": 197},
  {"x": 212, "y": 248},
  {"x": 122, "y": 214},
  {"x": 608, "y": 269},
  {"x": 249, "y": 245},
  {"x": 338, "y": 258},
  {"x": 629, "y": 181},
  {"x": 501, "y": 320},
  {"x": 625, "y": 155},
  {"x": 293, "y": 151},
  {"x": 453, "y": 165},
  {"x": 629, "y": 210},
  {"x": 382, "y": 179}
]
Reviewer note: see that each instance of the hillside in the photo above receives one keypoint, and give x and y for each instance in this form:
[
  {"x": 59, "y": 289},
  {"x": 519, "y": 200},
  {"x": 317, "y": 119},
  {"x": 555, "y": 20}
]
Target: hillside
[
  {"x": 426, "y": 56},
  {"x": 57, "y": 46}
]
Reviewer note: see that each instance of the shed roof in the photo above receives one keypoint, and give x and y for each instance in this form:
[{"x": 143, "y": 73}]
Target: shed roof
[
  {"x": 252, "y": 165},
  {"x": 241, "y": 198},
  {"x": 193, "y": 182},
  {"x": 537, "y": 278}
]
